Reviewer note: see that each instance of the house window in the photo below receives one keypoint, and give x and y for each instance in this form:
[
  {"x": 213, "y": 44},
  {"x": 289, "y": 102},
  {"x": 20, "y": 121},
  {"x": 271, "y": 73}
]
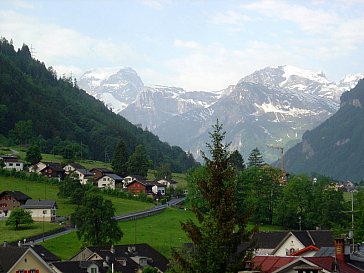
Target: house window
[
  {"x": 93, "y": 270},
  {"x": 10, "y": 164},
  {"x": 21, "y": 271},
  {"x": 33, "y": 271},
  {"x": 44, "y": 211}
]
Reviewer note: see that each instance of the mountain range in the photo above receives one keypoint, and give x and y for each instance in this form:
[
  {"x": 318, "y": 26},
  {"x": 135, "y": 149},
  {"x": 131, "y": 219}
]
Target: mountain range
[{"x": 274, "y": 106}]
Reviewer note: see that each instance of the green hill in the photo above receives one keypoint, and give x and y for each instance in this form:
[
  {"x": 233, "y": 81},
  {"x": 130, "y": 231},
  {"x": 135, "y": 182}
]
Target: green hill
[
  {"x": 336, "y": 147},
  {"x": 54, "y": 113}
]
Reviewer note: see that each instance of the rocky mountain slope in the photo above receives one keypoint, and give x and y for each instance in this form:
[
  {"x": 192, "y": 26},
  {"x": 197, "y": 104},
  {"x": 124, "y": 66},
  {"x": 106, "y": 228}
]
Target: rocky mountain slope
[
  {"x": 275, "y": 105},
  {"x": 336, "y": 147}
]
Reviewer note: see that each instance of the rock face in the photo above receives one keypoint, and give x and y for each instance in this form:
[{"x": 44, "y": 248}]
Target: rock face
[
  {"x": 336, "y": 147},
  {"x": 275, "y": 105}
]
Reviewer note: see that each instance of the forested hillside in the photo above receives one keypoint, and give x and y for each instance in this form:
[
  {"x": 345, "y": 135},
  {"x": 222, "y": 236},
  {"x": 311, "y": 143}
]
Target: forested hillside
[
  {"x": 37, "y": 107},
  {"x": 336, "y": 147}
]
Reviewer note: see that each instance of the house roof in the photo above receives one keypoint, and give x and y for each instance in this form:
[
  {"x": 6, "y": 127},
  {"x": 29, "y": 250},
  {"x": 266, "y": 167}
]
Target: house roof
[
  {"x": 9, "y": 255},
  {"x": 113, "y": 176},
  {"x": 158, "y": 184},
  {"x": 45, "y": 254},
  {"x": 273, "y": 239},
  {"x": 78, "y": 266},
  {"x": 103, "y": 170},
  {"x": 143, "y": 182},
  {"x": 270, "y": 264},
  {"x": 304, "y": 250},
  {"x": 170, "y": 181},
  {"x": 137, "y": 177},
  {"x": 76, "y": 165},
  {"x": 9, "y": 158},
  {"x": 18, "y": 195},
  {"x": 85, "y": 172},
  {"x": 54, "y": 166},
  {"x": 39, "y": 204},
  {"x": 155, "y": 259}
]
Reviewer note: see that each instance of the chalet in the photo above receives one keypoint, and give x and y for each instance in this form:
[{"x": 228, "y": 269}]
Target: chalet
[
  {"x": 124, "y": 258},
  {"x": 12, "y": 162},
  {"x": 83, "y": 175},
  {"x": 71, "y": 167},
  {"x": 37, "y": 168},
  {"x": 315, "y": 264},
  {"x": 53, "y": 170},
  {"x": 10, "y": 200},
  {"x": 167, "y": 182},
  {"x": 285, "y": 243},
  {"x": 99, "y": 172},
  {"x": 41, "y": 210},
  {"x": 158, "y": 188},
  {"x": 139, "y": 186},
  {"x": 128, "y": 179},
  {"x": 109, "y": 181},
  {"x": 22, "y": 259}
]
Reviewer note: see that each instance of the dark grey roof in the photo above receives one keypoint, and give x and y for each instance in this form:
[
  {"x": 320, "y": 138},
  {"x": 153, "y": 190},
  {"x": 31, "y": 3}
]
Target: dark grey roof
[
  {"x": 85, "y": 172},
  {"x": 78, "y": 266},
  {"x": 76, "y": 165},
  {"x": 114, "y": 176},
  {"x": 45, "y": 254},
  {"x": 18, "y": 195},
  {"x": 103, "y": 170},
  {"x": 155, "y": 259},
  {"x": 39, "y": 204},
  {"x": 137, "y": 177},
  {"x": 54, "y": 166},
  {"x": 268, "y": 240},
  {"x": 9, "y": 255},
  {"x": 325, "y": 252},
  {"x": 317, "y": 238}
]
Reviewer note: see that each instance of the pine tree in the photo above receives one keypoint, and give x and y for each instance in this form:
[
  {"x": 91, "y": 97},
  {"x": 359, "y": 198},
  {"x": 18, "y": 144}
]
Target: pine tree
[
  {"x": 215, "y": 238},
  {"x": 120, "y": 159},
  {"x": 255, "y": 158},
  {"x": 237, "y": 160}
]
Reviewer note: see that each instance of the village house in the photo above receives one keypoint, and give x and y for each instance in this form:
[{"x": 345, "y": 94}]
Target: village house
[
  {"x": 128, "y": 179},
  {"x": 53, "y": 170},
  {"x": 71, "y": 167},
  {"x": 12, "y": 162},
  {"x": 139, "y": 186},
  {"x": 83, "y": 175},
  {"x": 110, "y": 181},
  {"x": 36, "y": 168},
  {"x": 158, "y": 189},
  {"x": 21, "y": 260},
  {"x": 122, "y": 258},
  {"x": 167, "y": 182},
  {"x": 10, "y": 200},
  {"x": 285, "y": 243},
  {"x": 41, "y": 210},
  {"x": 99, "y": 172}
]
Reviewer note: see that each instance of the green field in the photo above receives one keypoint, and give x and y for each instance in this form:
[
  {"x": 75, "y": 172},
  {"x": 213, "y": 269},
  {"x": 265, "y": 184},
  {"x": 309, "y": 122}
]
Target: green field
[{"x": 9, "y": 234}]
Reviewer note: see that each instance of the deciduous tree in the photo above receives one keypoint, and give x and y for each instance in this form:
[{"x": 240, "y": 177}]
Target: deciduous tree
[
  {"x": 138, "y": 162},
  {"x": 33, "y": 155},
  {"x": 95, "y": 223},
  {"x": 18, "y": 217}
]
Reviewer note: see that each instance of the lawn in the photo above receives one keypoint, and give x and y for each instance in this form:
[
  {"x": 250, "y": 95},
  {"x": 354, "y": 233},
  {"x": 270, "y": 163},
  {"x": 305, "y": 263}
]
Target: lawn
[
  {"x": 161, "y": 231},
  {"x": 9, "y": 234}
]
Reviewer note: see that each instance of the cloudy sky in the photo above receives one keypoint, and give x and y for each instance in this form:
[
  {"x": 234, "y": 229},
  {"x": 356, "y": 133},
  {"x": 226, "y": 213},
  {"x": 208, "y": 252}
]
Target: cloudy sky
[{"x": 194, "y": 44}]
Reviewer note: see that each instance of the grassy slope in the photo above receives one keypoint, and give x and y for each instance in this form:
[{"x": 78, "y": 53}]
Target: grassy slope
[{"x": 161, "y": 231}]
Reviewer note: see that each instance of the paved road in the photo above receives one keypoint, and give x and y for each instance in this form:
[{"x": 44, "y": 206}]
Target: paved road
[{"x": 124, "y": 217}]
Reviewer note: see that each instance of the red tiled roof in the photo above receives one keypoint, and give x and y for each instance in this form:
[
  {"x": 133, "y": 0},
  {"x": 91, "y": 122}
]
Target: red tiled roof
[
  {"x": 326, "y": 263},
  {"x": 268, "y": 264},
  {"x": 306, "y": 249}
]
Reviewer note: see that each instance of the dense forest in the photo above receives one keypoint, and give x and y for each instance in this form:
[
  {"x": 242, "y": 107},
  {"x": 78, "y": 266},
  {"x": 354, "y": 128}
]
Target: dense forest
[
  {"x": 39, "y": 108},
  {"x": 336, "y": 147}
]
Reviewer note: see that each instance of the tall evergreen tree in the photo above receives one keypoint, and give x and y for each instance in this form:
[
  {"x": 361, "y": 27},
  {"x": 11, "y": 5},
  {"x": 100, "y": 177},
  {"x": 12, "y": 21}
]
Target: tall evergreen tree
[
  {"x": 120, "y": 159},
  {"x": 255, "y": 158},
  {"x": 220, "y": 230},
  {"x": 237, "y": 160},
  {"x": 138, "y": 163}
]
